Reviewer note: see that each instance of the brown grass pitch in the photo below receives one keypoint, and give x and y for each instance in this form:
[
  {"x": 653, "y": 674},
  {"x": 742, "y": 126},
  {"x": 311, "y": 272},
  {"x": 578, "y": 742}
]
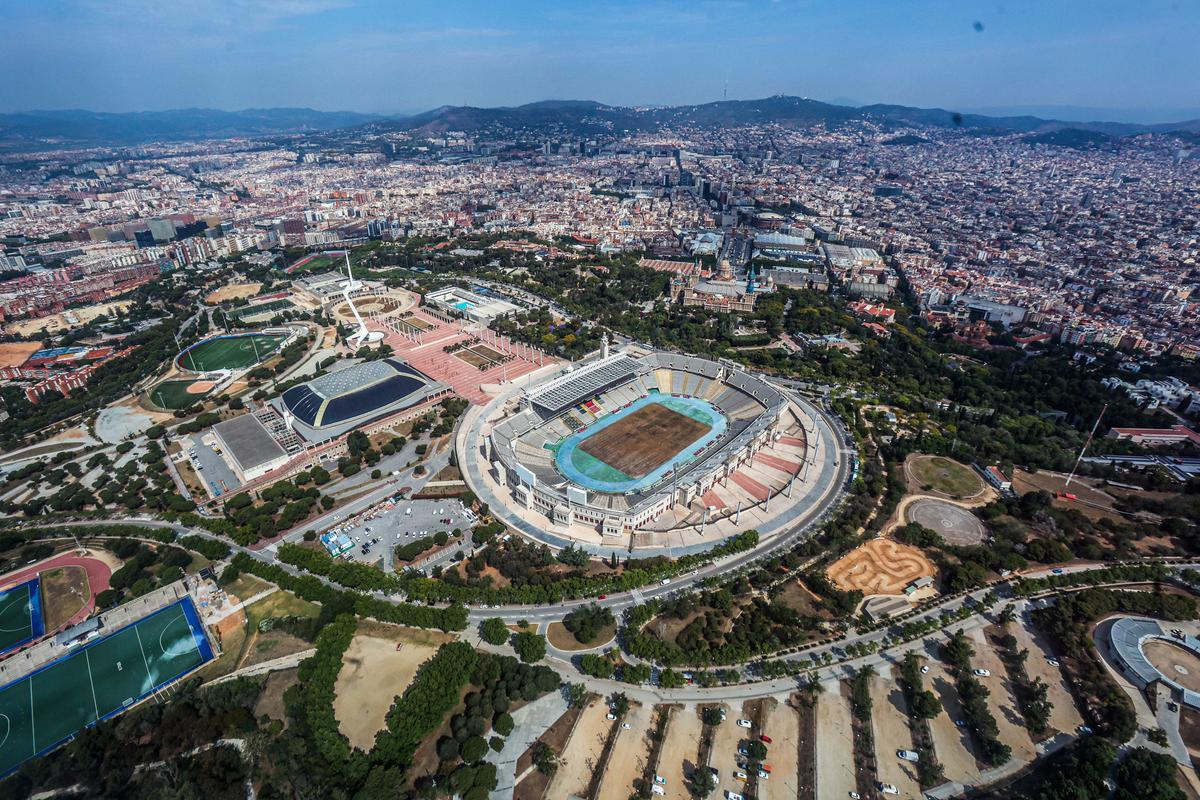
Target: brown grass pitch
[{"x": 644, "y": 439}]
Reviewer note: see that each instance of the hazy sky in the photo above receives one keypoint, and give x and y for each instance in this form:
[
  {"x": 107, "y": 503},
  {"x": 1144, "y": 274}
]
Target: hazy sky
[{"x": 392, "y": 55}]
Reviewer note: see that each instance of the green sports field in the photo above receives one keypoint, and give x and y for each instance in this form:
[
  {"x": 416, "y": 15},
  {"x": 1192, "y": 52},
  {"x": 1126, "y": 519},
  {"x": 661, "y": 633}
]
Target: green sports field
[
  {"x": 174, "y": 395},
  {"x": 229, "y": 352},
  {"x": 96, "y": 681},
  {"x": 20, "y": 615}
]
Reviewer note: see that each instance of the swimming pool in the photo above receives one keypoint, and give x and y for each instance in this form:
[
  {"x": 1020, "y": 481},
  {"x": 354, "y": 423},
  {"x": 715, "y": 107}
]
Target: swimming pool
[
  {"x": 464, "y": 305},
  {"x": 591, "y": 472}
]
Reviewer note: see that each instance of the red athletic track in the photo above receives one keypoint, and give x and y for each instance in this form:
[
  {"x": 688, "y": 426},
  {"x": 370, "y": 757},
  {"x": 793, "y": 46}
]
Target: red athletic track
[{"x": 97, "y": 571}]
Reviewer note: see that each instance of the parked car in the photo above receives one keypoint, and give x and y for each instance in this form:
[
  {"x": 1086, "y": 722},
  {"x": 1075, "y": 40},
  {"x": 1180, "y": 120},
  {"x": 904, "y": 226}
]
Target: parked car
[
  {"x": 766, "y": 739},
  {"x": 983, "y": 673},
  {"x": 888, "y": 788},
  {"x": 907, "y": 755},
  {"x": 741, "y": 776},
  {"x": 925, "y": 670},
  {"x": 744, "y": 723},
  {"x": 610, "y": 716}
]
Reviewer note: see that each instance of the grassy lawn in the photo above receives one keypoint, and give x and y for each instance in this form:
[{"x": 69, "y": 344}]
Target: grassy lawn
[
  {"x": 563, "y": 639},
  {"x": 173, "y": 395},
  {"x": 945, "y": 476},
  {"x": 246, "y": 586}
]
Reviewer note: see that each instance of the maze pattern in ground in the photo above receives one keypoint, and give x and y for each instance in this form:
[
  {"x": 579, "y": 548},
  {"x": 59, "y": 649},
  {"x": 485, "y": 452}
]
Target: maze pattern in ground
[
  {"x": 881, "y": 566},
  {"x": 956, "y": 525},
  {"x": 644, "y": 440}
]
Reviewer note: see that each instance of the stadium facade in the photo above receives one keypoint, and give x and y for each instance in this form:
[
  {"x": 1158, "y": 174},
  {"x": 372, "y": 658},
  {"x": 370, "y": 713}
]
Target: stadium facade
[{"x": 617, "y": 442}]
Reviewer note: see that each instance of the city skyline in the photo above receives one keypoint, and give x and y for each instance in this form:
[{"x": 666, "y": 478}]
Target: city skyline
[{"x": 359, "y": 55}]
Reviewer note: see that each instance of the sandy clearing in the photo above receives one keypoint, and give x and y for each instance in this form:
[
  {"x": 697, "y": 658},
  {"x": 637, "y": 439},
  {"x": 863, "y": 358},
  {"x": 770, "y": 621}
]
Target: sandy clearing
[
  {"x": 952, "y": 744},
  {"x": 373, "y": 673},
  {"x": 835, "y": 743},
  {"x": 65, "y": 320},
  {"x": 581, "y": 753},
  {"x": 232, "y": 291},
  {"x": 628, "y": 759},
  {"x": 1001, "y": 700},
  {"x": 889, "y": 721},
  {"x": 679, "y": 751},
  {"x": 783, "y": 726},
  {"x": 1064, "y": 717},
  {"x": 14, "y": 354}
]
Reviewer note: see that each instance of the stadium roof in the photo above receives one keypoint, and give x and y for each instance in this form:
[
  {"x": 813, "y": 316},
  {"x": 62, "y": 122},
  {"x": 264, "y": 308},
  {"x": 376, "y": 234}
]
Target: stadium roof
[
  {"x": 356, "y": 392},
  {"x": 248, "y": 442},
  {"x": 583, "y": 383}
]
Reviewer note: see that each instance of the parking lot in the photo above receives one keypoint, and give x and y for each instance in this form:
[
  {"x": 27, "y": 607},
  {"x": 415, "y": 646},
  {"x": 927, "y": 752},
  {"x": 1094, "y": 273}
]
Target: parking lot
[
  {"x": 210, "y": 467},
  {"x": 1001, "y": 701},
  {"x": 396, "y": 522}
]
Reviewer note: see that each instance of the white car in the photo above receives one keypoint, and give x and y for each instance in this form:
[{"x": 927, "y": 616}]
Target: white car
[
  {"x": 983, "y": 673},
  {"x": 610, "y": 716},
  {"x": 1052, "y": 662},
  {"x": 925, "y": 670},
  {"x": 888, "y": 788},
  {"x": 664, "y": 582},
  {"x": 626, "y": 725},
  {"x": 744, "y": 723}
]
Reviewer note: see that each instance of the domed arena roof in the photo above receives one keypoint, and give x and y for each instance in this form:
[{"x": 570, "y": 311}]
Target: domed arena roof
[{"x": 360, "y": 392}]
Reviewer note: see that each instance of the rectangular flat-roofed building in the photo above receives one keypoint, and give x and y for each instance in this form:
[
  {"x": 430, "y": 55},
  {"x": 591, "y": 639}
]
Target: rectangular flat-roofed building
[{"x": 250, "y": 449}]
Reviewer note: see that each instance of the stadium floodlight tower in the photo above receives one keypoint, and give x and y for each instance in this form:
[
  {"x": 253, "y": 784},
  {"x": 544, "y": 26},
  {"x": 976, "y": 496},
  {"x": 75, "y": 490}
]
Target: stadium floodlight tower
[{"x": 362, "y": 335}]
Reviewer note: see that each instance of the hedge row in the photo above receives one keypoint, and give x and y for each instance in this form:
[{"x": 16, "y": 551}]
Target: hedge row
[
  {"x": 211, "y": 549},
  {"x": 434, "y": 692},
  {"x": 318, "y": 674},
  {"x": 453, "y": 618}
]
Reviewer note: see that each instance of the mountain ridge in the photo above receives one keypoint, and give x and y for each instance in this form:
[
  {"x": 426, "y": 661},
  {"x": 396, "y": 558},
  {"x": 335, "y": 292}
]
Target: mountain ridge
[{"x": 576, "y": 117}]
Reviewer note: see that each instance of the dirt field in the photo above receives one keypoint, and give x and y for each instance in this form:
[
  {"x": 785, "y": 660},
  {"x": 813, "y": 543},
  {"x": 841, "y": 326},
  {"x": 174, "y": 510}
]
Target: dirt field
[
  {"x": 679, "y": 751},
  {"x": 835, "y": 745},
  {"x": 953, "y": 744},
  {"x": 958, "y": 526},
  {"x": 628, "y": 759},
  {"x": 270, "y": 702},
  {"x": 14, "y": 354},
  {"x": 783, "y": 726},
  {"x": 881, "y": 566},
  {"x": 1176, "y": 663},
  {"x": 1064, "y": 716},
  {"x": 943, "y": 476},
  {"x": 643, "y": 440},
  {"x": 1090, "y": 498},
  {"x": 582, "y": 752},
  {"x": 64, "y": 591},
  {"x": 66, "y": 320},
  {"x": 1001, "y": 700},
  {"x": 479, "y": 355},
  {"x": 372, "y": 674},
  {"x": 232, "y": 291},
  {"x": 889, "y": 719},
  {"x": 724, "y": 756}
]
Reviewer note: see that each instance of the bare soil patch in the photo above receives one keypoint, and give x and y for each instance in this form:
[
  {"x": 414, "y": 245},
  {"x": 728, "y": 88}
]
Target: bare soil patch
[
  {"x": 65, "y": 591},
  {"x": 270, "y": 701},
  {"x": 373, "y": 672},
  {"x": 232, "y": 291},
  {"x": 643, "y": 440},
  {"x": 556, "y": 736},
  {"x": 14, "y": 354}
]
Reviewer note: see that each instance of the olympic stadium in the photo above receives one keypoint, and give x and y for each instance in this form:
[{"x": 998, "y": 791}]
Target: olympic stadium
[{"x": 673, "y": 448}]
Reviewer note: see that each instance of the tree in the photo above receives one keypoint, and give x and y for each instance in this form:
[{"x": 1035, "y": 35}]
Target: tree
[
  {"x": 620, "y": 704},
  {"x": 504, "y": 724},
  {"x": 925, "y": 705},
  {"x": 577, "y": 695},
  {"x": 1147, "y": 774},
  {"x": 544, "y": 758},
  {"x": 704, "y": 782},
  {"x": 530, "y": 647},
  {"x": 712, "y": 715},
  {"x": 757, "y": 750},
  {"x": 493, "y": 631},
  {"x": 586, "y": 622}
]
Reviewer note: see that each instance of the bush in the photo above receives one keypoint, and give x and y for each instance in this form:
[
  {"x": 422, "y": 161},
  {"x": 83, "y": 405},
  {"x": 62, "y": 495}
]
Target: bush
[{"x": 586, "y": 622}]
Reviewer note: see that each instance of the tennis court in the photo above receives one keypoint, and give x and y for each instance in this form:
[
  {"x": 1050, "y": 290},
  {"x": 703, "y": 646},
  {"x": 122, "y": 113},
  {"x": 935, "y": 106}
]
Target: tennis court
[
  {"x": 20, "y": 615},
  {"x": 98, "y": 680}
]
